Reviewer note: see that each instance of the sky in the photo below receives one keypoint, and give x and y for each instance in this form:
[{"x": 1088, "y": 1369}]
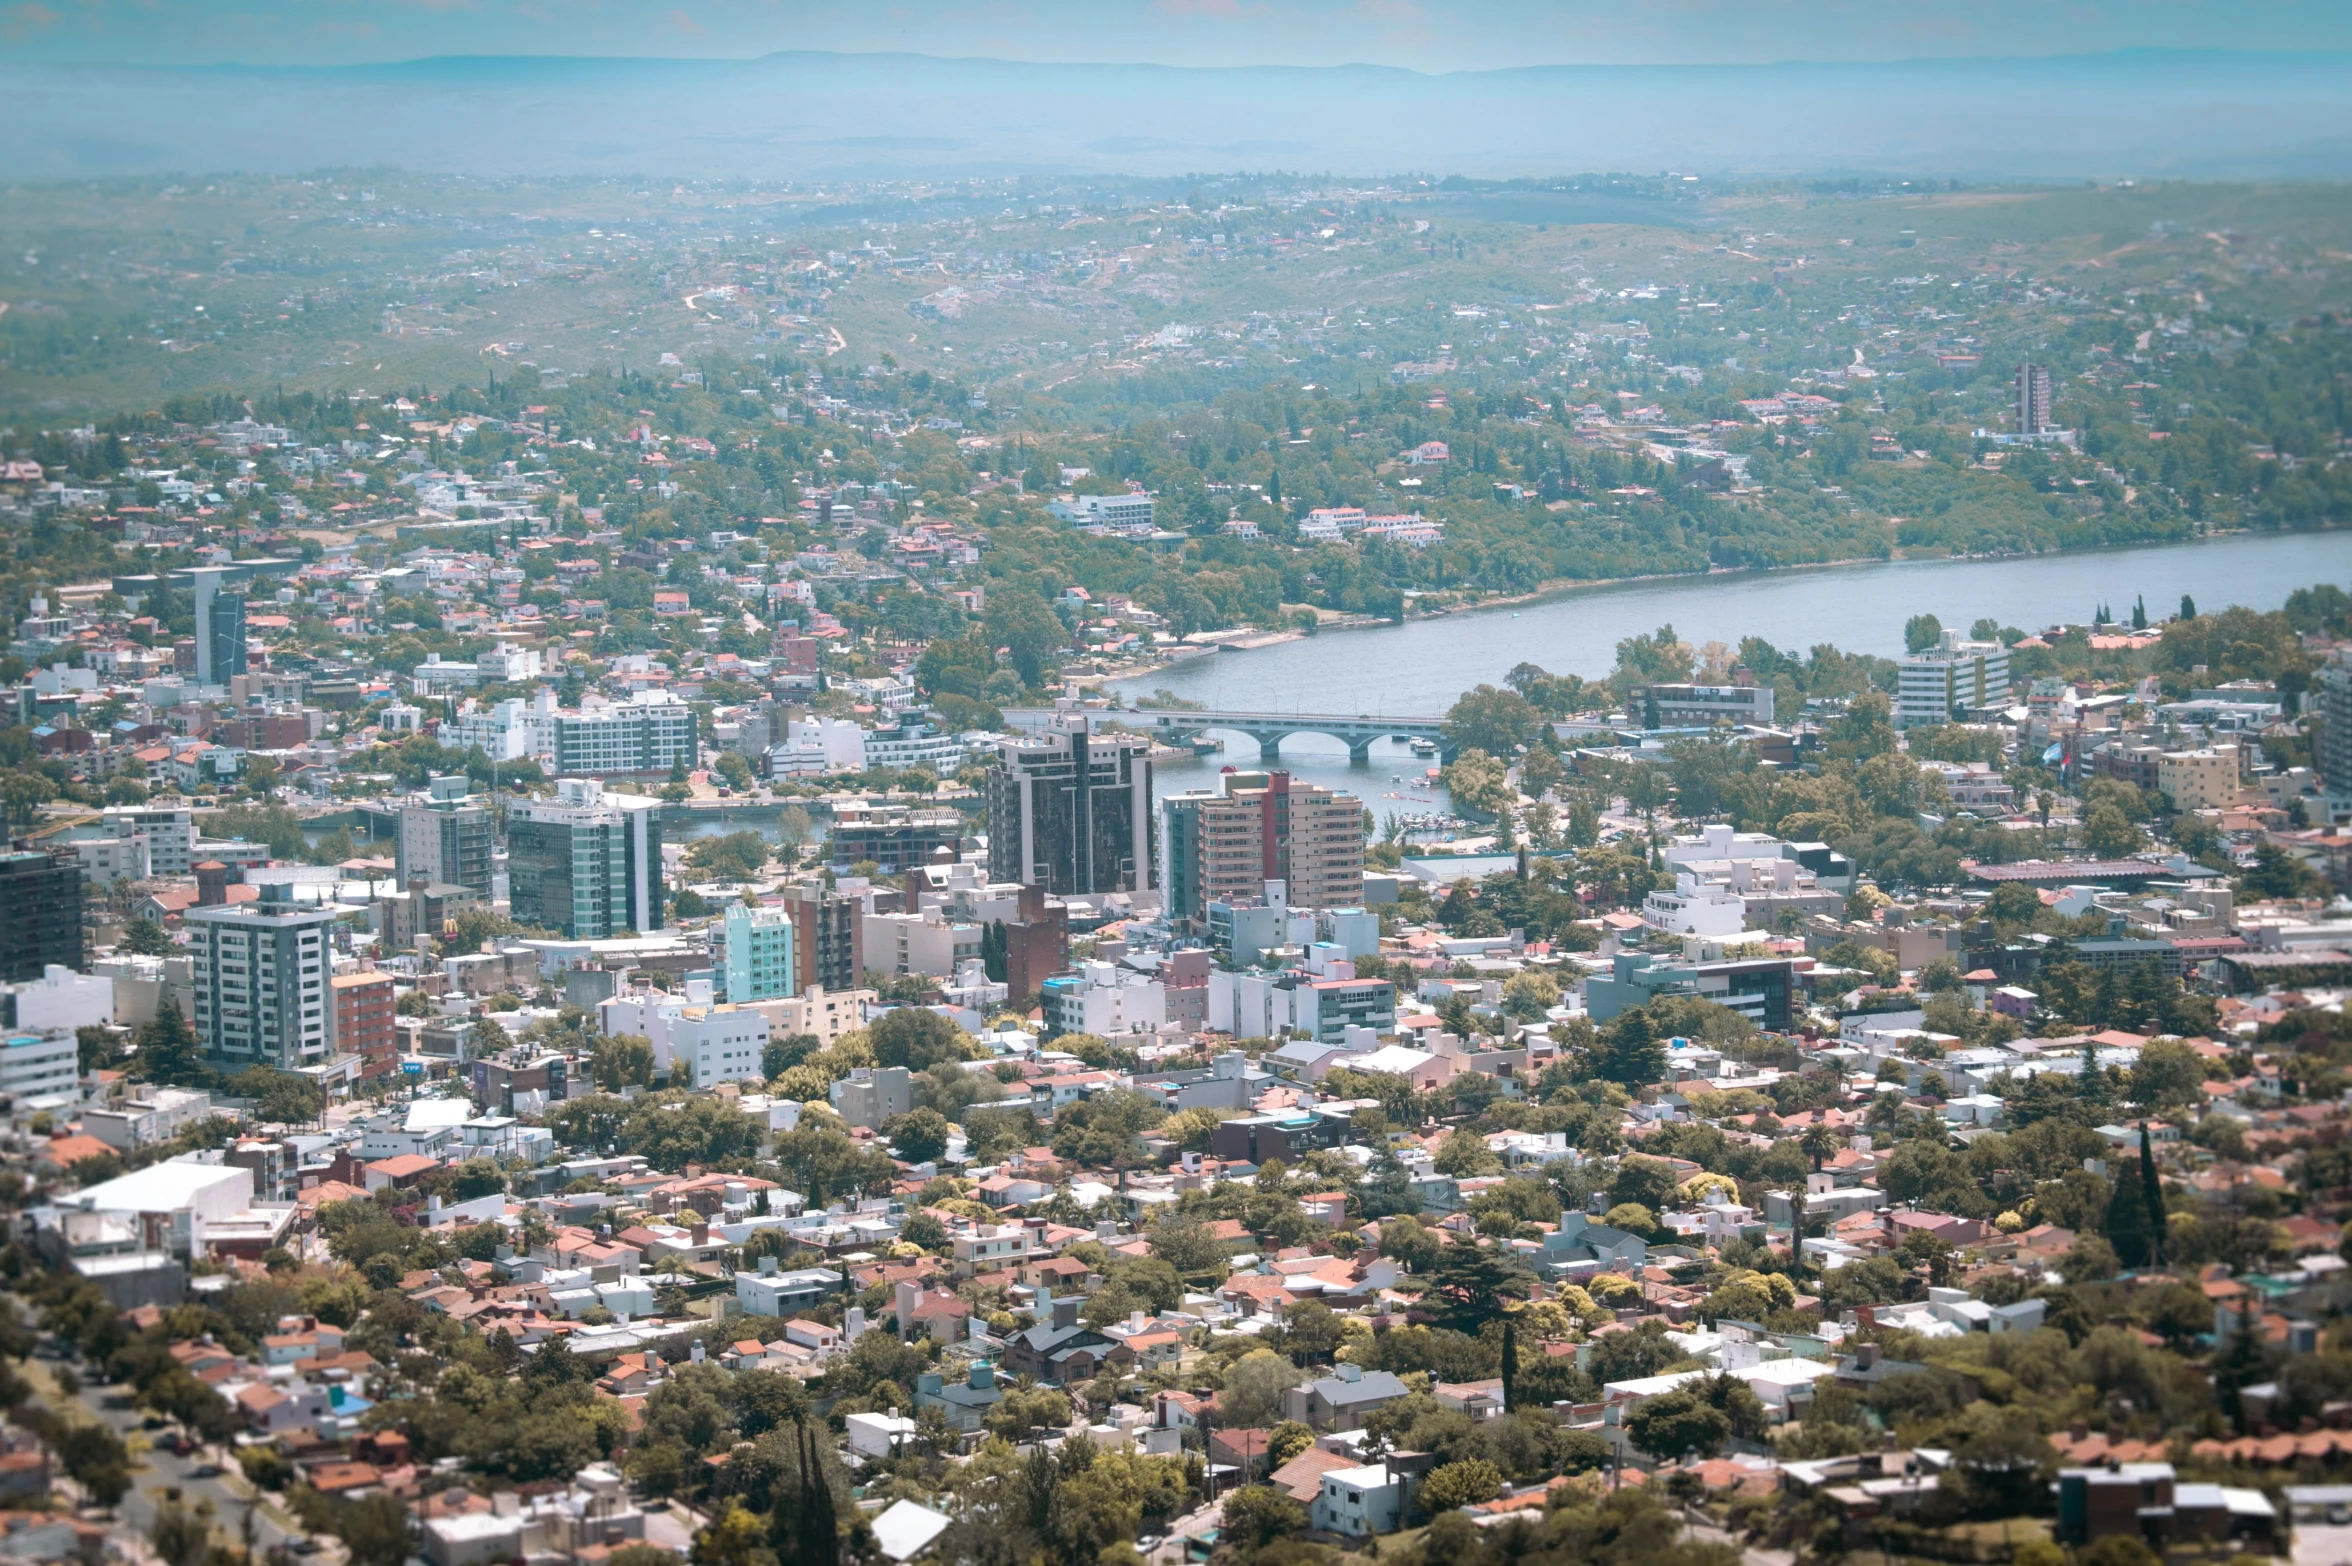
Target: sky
[{"x": 1422, "y": 35}]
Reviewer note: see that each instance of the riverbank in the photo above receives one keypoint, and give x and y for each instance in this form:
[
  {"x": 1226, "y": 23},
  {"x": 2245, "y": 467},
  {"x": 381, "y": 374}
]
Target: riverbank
[
  {"x": 1565, "y": 587},
  {"x": 1423, "y": 663},
  {"x": 1559, "y": 589}
]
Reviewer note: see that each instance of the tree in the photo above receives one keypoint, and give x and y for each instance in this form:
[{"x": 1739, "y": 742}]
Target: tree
[
  {"x": 180, "y": 1537},
  {"x": 1477, "y": 781},
  {"x": 1025, "y": 626},
  {"x": 1818, "y": 1143},
  {"x": 1452, "y": 1486},
  {"x": 916, "y": 1038},
  {"x": 1676, "y": 1422},
  {"x": 1644, "y": 1182},
  {"x": 823, "y": 1164},
  {"x": 2127, "y": 1222},
  {"x": 1252, "y": 1398},
  {"x": 2152, "y": 1200},
  {"x": 1404, "y": 1239},
  {"x": 97, "y": 1047},
  {"x": 376, "y": 1531},
  {"x": 1541, "y": 772},
  {"x": 1529, "y": 994},
  {"x": 1510, "y": 1365},
  {"x": 476, "y": 1178},
  {"x": 1495, "y": 721},
  {"x": 1629, "y": 1051},
  {"x": 622, "y": 1060},
  {"x": 1465, "y": 1155},
  {"x": 94, "y": 1456},
  {"x": 1286, "y": 1440},
  {"x": 732, "y": 1538},
  {"x": 918, "y": 1137},
  {"x": 284, "y": 1098},
  {"x": 22, "y": 794},
  {"x": 781, "y": 1055},
  {"x": 1187, "y": 1243},
  {"x": 808, "y": 1532},
  {"x": 143, "y": 937},
  {"x": 1470, "y": 1283},
  {"x": 1024, "y": 1409},
  {"x": 1921, "y": 632},
  {"x": 2108, "y": 833},
  {"x": 730, "y": 856},
  {"x": 169, "y": 1053},
  {"x": 1387, "y": 1187},
  {"x": 1258, "y": 1514},
  {"x": 2277, "y": 873},
  {"x": 2167, "y": 1073}
]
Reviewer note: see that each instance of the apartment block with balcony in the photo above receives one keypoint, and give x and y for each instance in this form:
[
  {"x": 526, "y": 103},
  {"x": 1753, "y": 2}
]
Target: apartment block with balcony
[
  {"x": 759, "y": 962},
  {"x": 1224, "y": 843},
  {"x": 1954, "y": 674},
  {"x": 360, "y": 1021},
  {"x": 261, "y": 981}
]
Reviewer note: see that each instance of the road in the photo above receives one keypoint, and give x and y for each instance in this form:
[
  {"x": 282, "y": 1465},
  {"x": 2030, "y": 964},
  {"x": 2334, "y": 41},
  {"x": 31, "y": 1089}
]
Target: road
[
  {"x": 1180, "y": 1531},
  {"x": 158, "y": 1469}
]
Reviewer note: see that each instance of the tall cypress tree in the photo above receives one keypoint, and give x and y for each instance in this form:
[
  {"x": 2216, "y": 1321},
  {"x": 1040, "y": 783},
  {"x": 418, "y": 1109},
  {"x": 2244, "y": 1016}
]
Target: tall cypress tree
[
  {"x": 816, "y": 1536},
  {"x": 2127, "y": 1221},
  {"x": 2152, "y": 1195},
  {"x": 1510, "y": 1365}
]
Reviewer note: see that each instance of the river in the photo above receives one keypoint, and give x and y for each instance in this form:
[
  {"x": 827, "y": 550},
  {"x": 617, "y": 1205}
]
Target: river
[{"x": 1420, "y": 667}]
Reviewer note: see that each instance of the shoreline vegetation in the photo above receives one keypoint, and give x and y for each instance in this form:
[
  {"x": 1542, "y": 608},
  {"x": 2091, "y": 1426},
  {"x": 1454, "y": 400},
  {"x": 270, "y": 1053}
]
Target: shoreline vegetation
[{"x": 1563, "y": 589}]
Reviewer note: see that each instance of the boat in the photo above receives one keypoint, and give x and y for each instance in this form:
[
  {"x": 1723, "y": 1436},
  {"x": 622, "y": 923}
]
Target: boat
[
  {"x": 1207, "y": 747},
  {"x": 1424, "y": 747}
]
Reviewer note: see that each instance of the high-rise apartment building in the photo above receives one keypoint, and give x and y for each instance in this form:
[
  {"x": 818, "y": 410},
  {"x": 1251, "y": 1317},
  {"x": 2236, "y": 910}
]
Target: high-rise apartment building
[
  {"x": 1037, "y": 944},
  {"x": 444, "y": 839},
  {"x": 359, "y": 1021},
  {"x": 824, "y": 938},
  {"x": 261, "y": 981},
  {"x": 648, "y": 734},
  {"x": 170, "y": 833},
  {"x": 40, "y": 913},
  {"x": 708, "y": 1045},
  {"x": 759, "y": 962},
  {"x": 2335, "y": 734},
  {"x": 2030, "y": 399},
  {"x": 220, "y": 627},
  {"x": 1070, "y": 811},
  {"x": 1224, "y": 843},
  {"x": 1953, "y": 674},
  {"x": 587, "y": 863},
  {"x": 36, "y": 1065}
]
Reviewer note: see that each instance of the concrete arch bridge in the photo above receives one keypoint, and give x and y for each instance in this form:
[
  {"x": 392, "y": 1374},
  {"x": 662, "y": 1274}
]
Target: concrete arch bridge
[{"x": 1174, "y": 726}]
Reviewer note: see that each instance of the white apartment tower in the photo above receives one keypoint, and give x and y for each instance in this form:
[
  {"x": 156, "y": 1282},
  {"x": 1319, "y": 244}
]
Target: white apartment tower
[
  {"x": 261, "y": 981},
  {"x": 1953, "y": 674}
]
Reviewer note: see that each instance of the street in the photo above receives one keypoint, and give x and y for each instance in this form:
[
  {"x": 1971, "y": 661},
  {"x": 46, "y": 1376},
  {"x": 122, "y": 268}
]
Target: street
[{"x": 159, "y": 1469}]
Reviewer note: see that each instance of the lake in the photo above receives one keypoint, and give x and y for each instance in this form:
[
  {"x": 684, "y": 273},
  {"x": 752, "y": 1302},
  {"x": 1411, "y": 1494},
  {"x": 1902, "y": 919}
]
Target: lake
[{"x": 1420, "y": 667}]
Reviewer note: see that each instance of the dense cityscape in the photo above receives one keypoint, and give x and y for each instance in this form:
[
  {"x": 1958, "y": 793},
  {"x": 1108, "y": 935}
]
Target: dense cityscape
[{"x": 759, "y": 872}]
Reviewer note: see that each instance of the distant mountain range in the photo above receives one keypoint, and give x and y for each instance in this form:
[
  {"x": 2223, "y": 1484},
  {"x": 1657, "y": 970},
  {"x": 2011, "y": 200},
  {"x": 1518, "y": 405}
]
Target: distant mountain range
[{"x": 2143, "y": 114}]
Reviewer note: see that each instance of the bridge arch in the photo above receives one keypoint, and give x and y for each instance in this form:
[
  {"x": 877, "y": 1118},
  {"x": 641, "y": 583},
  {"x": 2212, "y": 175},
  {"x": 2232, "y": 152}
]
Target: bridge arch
[{"x": 1358, "y": 733}]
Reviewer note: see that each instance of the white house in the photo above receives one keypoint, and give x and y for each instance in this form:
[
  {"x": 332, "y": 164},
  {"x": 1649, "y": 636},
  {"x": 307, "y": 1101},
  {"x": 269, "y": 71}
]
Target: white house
[
  {"x": 1361, "y": 1501},
  {"x": 1696, "y": 907},
  {"x": 879, "y": 1435}
]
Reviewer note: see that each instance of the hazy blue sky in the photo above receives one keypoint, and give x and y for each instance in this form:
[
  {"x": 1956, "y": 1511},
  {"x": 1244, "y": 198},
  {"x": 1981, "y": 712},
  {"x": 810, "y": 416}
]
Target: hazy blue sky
[{"x": 1428, "y": 35}]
